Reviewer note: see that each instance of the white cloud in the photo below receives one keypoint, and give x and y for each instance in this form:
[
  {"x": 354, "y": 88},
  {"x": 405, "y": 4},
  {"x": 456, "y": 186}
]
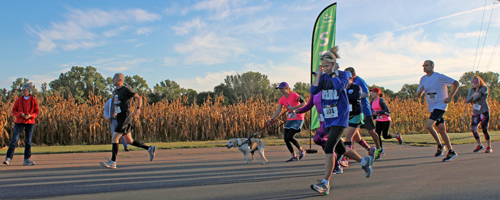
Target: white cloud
[
  {"x": 140, "y": 44},
  {"x": 168, "y": 61},
  {"x": 210, "y": 49},
  {"x": 469, "y": 35},
  {"x": 260, "y": 26},
  {"x": 206, "y": 83},
  {"x": 76, "y": 31},
  {"x": 223, "y": 9},
  {"x": 144, "y": 31},
  {"x": 185, "y": 27}
]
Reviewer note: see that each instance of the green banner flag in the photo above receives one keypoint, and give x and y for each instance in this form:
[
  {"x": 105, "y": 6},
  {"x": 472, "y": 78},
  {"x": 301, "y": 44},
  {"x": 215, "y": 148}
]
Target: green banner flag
[{"x": 323, "y": 39}]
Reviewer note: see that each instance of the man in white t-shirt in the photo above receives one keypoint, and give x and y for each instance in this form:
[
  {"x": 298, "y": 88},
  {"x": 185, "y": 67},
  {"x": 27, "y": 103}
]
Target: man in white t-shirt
[{"x": 435, "y": 87}]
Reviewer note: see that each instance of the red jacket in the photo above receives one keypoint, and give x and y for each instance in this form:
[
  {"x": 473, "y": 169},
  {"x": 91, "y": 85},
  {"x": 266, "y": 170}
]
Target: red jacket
[{"x": 29, "y": 106}]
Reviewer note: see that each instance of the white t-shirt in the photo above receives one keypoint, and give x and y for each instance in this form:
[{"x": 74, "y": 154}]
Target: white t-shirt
[{"x": 435, "y": 90}]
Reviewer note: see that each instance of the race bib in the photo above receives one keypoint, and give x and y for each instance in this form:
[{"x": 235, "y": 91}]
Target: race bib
[
  {"x": 379, "y": 117},
  {"x": 330, "y": 112},
  {"x": 320, "y": 117},
  {"x": 477, "y": 107},
  {"x": 432, "y": 96},
  {"x": 350, "y": 107}
]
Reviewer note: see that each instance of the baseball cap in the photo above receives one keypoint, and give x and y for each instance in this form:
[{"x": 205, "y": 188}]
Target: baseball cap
[
  {"x": 376, "y": 90},
  {"x": 282, "y": 85}
]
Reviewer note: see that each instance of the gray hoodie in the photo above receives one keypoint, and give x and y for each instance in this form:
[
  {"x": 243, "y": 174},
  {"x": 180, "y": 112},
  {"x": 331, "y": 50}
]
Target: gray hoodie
[{"x": 479, "y": 103}]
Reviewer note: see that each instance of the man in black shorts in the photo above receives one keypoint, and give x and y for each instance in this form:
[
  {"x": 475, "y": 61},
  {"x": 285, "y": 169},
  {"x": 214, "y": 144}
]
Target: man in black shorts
[
  {"x": 435, "y": 87},
  {"x": 122, "y": 98}
]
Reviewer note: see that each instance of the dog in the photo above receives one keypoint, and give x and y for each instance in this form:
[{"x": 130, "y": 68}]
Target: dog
[{"x": 243, "y": 145}]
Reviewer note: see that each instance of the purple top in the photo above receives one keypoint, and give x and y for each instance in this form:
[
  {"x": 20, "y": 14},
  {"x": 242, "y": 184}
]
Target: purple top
[{"x": 315, "y": 100}]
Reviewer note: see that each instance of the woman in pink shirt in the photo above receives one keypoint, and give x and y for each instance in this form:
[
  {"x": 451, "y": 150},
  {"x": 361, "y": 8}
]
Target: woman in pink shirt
[
  {"x": 293, "y": 125},
  {"x": 382, "y": 114}
]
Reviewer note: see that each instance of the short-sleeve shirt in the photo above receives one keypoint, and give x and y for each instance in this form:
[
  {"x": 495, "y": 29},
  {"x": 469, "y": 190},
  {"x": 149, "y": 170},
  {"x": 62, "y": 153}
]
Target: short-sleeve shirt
[
  {"x": 125, "y": 95},
  {"x": 293, "y": 100},
  {"x": 436, "y": 90},
  {"x": 365, "y": 103}
]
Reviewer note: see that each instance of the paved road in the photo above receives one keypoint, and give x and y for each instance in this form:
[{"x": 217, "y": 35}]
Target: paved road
[{"x": 406, "y": 172}]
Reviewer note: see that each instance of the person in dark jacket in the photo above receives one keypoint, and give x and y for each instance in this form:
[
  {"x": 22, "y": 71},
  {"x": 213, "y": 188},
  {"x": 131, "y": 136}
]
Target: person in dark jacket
[
  {"x": 25, "y": 110},
  {"x": 382, "y": 114}
]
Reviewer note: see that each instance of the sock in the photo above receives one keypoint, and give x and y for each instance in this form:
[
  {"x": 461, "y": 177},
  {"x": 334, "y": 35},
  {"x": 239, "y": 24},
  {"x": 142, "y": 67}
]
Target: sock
[
  {"x": 363, "y": 161},
  {"x": 326, "y": 182},
  {"x": 140, "y": 144},
  {"x": 364, "y": 144},
  {"x": 348, "y": 144},
  {"x": 114, "y": 151}
]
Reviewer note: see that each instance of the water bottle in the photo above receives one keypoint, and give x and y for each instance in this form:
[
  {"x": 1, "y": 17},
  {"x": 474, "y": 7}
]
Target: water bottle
[{"x": 117, "y": 105}]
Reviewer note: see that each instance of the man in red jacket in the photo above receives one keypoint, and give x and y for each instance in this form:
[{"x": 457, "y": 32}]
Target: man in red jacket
[{"x": 25, "y": 110}]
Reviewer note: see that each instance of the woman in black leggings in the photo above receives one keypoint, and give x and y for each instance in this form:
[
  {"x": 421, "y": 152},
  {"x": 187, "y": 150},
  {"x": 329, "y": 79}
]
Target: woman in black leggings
[{"x": 382, "y": 114}]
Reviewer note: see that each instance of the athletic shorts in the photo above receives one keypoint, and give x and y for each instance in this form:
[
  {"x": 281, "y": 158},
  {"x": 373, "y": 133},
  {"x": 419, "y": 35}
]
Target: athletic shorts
[
  {"x": 294, "y": 124},
  {"x": 368, "y": 123},
  {"x": 356, "y": 121},
  {"x": 438, "y": 116}
]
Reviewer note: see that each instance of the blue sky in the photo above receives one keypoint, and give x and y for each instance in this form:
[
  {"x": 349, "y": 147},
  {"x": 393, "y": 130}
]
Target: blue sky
[{"x": 198, "y": 43}]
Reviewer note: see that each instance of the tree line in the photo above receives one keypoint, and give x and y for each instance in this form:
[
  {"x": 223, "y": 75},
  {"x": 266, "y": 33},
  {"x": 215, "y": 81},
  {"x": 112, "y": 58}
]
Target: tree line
[{"x": 80, "y": 83}]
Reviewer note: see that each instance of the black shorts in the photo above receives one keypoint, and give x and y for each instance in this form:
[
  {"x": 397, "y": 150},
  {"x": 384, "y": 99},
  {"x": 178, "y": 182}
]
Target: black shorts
[
  {"x": 124, "y": 125},
  {"x": 438, "y": 116},
  {"x": 369, "y": 125}
]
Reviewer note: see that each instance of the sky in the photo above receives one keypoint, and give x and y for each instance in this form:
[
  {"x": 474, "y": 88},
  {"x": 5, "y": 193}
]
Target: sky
[{"x": 197, "y": 43}]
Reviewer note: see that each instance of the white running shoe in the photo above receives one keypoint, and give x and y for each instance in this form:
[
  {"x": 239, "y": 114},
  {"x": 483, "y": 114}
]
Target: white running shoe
[
  {"x": 109, "y": 165},
  {"x": 367, "y": 166}
]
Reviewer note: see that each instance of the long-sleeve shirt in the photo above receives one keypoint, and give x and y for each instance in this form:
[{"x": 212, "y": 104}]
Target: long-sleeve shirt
[
  {"x": 354, "y": 95},
  {"x": 480, "y": 104},
  {"x": 26, "y": 106},
  {"x": 109, "y": 111},
  {"x": 334, "y": 101}
]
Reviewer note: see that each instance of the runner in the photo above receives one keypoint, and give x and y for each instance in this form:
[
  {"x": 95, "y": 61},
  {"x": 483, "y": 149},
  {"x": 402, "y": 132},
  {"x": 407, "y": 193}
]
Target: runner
[
  {"x": 355, "y": 120},
  {"x": 436, "y": 86},
  {"x": 367, "y": 111},
  {"x": 321, "y": 135},
  {"x": 335, "y": 106},
  {"x": 291, "y": 101},
  {"x": 121, "y": 100},
  {"x": 25, "y": 110},
  {"x": 382, "y": 114},
  {"x": 109, "y": 114},
  {"x": 478, "y": 96}
]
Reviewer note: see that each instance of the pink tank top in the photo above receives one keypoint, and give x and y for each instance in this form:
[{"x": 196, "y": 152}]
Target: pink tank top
[
  {"x": 293, "y": 100},
  {"x": 376, "y": 107}
]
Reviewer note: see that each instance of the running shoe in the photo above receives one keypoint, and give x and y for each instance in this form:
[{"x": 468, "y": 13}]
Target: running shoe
[
  {"x": 378, "y": 154},
  {"x": 28, "y": 163},
  {"x": 294, "y": 158},
  {"x": 478, "y": 148},
  {"x": 151, "y": 152},
  {"x": 440, "y": 150},
  {"x": 344, "y": 161},
  {"x": 382, "y": 152},
  {"x": 450, "y": 156},
  {"x": 373, "y": 152},
  {"x": 367, "y": 166},
  {"x": 109, "y": 165},
  {"x": 399, "y": 138},
  {"x": 338, "y": 169},
  {"x": 302, "y": 153},
  {"x": 7, "y": 161},
  {"x": 488, "y": 150},
  {"x": 321, "y": 188}
]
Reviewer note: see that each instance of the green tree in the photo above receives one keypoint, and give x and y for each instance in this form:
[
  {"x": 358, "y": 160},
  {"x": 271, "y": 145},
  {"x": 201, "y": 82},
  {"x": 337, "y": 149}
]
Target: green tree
[
  {"x": 166, "y": 90},
  {"x": 302, "y": 89},
  {"x": 408, "y": 91},
  {"x": 136, "y": 83},
  {"x": 80, "y": 82},
  {"x": 245, "y": 86}
]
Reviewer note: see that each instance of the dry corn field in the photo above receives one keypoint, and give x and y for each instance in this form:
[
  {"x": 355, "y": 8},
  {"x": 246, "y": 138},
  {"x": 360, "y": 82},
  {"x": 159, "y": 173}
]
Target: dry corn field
[{"x": 63, "y": 122}]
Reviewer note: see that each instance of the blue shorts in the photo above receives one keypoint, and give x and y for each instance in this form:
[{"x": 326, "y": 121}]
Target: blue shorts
[{"x": 294, "y": 124}]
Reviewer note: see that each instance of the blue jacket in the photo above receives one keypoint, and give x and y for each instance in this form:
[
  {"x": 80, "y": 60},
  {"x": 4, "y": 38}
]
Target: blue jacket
[{"x": 334, "y": 99}]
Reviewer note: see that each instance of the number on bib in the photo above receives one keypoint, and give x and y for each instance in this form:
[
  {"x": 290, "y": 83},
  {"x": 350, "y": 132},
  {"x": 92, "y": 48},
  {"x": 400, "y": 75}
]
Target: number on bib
[
  {"x": 320, "y": 117},
  {"x": 350, "y": 107},
  {"x": 477, "y": 107},
  {"x": 330, "y": 112}
]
